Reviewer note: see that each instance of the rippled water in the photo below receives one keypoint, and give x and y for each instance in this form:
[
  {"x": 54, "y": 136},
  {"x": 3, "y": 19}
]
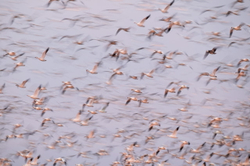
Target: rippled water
[{"x": 31, "y": 27}]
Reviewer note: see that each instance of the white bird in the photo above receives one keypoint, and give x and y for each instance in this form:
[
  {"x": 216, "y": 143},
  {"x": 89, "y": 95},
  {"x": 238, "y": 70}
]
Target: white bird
[{"x": 42, "y": 58}]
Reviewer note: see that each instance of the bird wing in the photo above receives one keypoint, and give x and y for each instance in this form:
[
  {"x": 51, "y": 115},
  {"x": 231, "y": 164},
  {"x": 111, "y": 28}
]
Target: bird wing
[
  {"x": 19, "y": 55},
  {"x": 37, "y": 90},
  {"x": 206, "y": 54},
  {"x": 153, "y": 54},
  {"x": 199, "y": 76},
  {"x": 24, "y": 82},
  {"x": 118, "y": 31},
  {"x": 44, "y": 53},
  {"x": 170, "y": 84},
  {"x": 78, "y": 115},
  {"x": 241, "y": 24},
  {"x": 142, "y": 75},
  {"x": 215, "y": 70},
  {"x": 179, "y": 91},
  {"x": 152, "y": 71},
  {"x": 214, "y": 49},
  {"x": 166, "y": 8},
  {"x": 95, "y": 67},
  {"x": 143, "y": 20},
  {"x": 231, "y": 32},
  {"x": 104, "y": 108},
  {"x": 139, "y": 103},
  {"x": 175, "y": 131},
  {"x": 129, "y": 99},
  {"x": 2, "y": 86},
  {"x": 166, "y": 92},
  {"x": 208, "y": 81},
  {"x": 201, "y": 146}
]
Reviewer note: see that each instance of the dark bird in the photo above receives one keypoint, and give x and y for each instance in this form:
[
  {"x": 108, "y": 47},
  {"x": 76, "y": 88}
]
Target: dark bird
[
  {"x": 122, "y": 29},
  {"x": 213, "y": 51}
]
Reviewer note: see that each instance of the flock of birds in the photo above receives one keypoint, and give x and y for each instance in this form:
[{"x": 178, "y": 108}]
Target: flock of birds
[{"x": 140, "y": 128}]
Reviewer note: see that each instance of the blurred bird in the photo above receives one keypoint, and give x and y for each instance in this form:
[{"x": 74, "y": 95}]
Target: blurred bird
[
  {"x": 173, "y": 135},
  {"x": 122, "y": 29},
  {"x": 42, "y": 58},
  {"x": 22, "y": 85},
  {"x": 210, "y": 52},
  {"x": 237, "y": 28},
  {"x": 36, "y": 93}
]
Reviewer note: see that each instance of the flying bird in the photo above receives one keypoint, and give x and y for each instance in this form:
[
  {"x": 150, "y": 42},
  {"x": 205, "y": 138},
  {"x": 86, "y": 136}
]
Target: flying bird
[
  {"x": 213, "y": 51},
  {"x": 42, "y": 58},
  {"x": 36, "y": 93},
  {"x": 173, "y": 135},
  {"x": 93, "y": 71},
  {"x": 172, "y": 90},
  {"x": 122, "y": 29},
  {"x": 237, "y": 28},
  {"x": 22, "y": 85},
  {"x": 182, "y": 87}
]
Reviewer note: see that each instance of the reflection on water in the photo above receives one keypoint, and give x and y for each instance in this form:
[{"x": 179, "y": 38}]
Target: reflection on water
[{"x": 171, "y": 89}]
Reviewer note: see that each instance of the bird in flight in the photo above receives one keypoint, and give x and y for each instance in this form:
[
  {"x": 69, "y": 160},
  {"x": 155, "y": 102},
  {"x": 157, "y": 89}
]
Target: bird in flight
[
  {"x": 237, "y": 28},
  {"x": 93, "y": 71},
  {"x": 36, "y": 93},
  {"x": 122, "y": 29},
  {"x": 42, "y": 58},
  {"x": 213, "y": 51},
  {"x": 22, "y": 85},
  {"x": 173, "y": 135}
]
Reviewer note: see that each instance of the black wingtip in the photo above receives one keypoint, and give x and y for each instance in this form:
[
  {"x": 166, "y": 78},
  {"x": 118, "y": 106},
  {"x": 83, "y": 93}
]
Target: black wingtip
[
  {"x": 47, "y": 50},
  {"x": 148, "y": 16}
]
